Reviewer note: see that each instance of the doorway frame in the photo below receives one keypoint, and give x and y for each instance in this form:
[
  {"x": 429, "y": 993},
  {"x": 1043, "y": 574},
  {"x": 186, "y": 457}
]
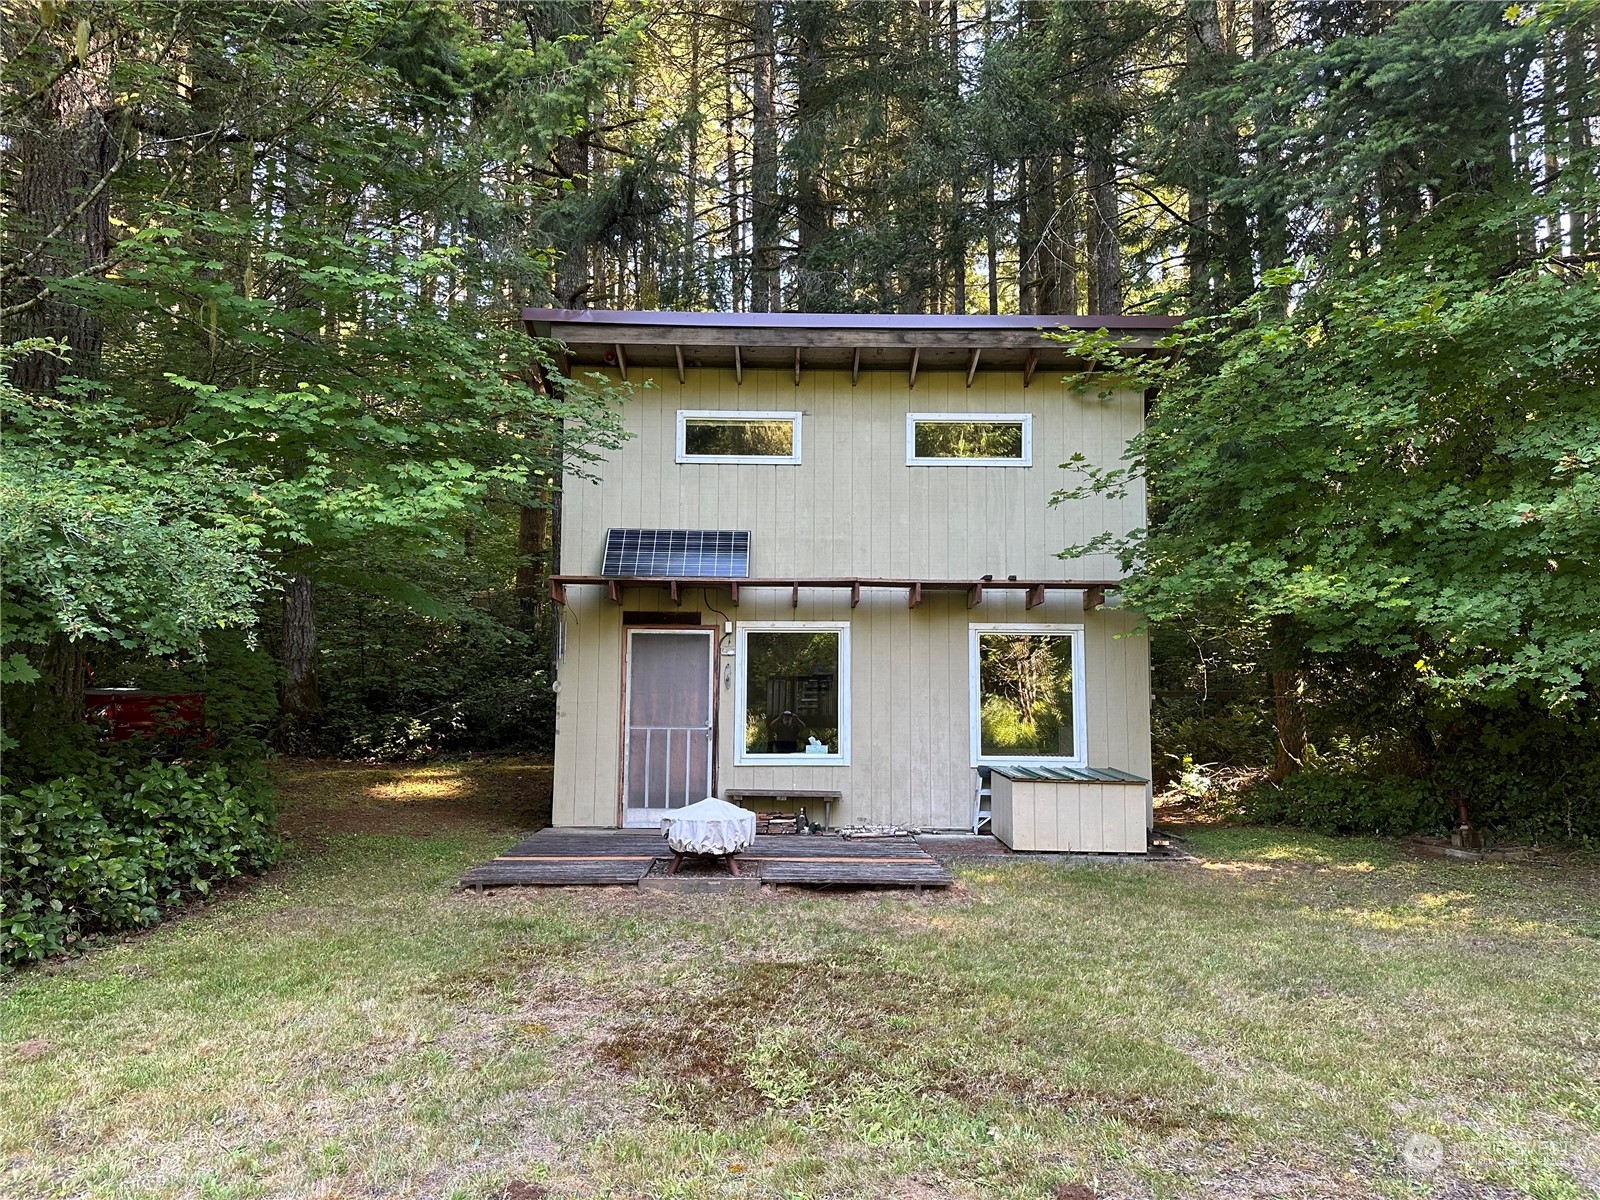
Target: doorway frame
[{"x": 710, "y": 633}]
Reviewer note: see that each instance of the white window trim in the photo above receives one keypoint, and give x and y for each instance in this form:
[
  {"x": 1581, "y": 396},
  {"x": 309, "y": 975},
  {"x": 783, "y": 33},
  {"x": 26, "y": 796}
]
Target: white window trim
[
  {"x": 736, "y": 414},
  {"x": 1026, "y": 420},
  {"x": 743, "y": 757},
  {"x": 1080, "y": 699}
]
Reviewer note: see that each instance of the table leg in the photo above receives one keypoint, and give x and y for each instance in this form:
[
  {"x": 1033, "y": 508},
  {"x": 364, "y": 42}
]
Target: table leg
[
  {"x": 677, "y": 861},
  {"x": 733, "y": 863}
]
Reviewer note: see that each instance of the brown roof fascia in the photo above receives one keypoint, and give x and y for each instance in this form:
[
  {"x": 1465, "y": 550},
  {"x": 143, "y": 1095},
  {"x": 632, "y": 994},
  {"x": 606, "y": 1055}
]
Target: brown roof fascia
[{"x": 898, "y": 322}]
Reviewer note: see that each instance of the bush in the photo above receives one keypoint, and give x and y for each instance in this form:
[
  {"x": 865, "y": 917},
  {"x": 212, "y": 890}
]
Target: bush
[
  {"x": 1327, "y": 803},
  {"x": 107, "y": 849}
]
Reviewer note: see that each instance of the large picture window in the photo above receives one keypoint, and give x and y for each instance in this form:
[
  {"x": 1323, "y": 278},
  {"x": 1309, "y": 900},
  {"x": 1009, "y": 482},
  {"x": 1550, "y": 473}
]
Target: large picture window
[
  {"x": 709, "y": 436},
  {"x": 1027, "y": 694},
  {"x": 969, "y": 439},
  {"x": 793, "y": 693}
]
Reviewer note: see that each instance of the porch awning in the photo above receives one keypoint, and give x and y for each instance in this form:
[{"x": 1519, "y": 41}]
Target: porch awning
[
  {"x": 1094, "y": 590},
  {"x": 1028, "y": 773}
]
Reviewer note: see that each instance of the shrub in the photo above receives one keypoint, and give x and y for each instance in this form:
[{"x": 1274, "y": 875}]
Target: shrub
[
  {"x": 108, "y": 848},
  {"x": 1329, "y": 803}
]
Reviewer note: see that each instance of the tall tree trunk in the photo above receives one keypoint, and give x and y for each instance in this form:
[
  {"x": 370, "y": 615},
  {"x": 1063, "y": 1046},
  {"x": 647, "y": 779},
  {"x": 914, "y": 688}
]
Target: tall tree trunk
[
  {"x": 574, "y": 282},
  {"x": 958, "y": 209},
  {"x": 1102, "y": 212},
  {"x": 1272, "y": 230},
  {"x": 56, "y": 188},
  {"x": 533, "y": 526},
  {"x": 810, "y": 142},
  {"x": 1579, "y": 88},
  {"x": 1204, "y": 48},
  {"x": 991, "y": 248},
  {"x": 300, "y": 695},
  {"x": 737, "y": 299},
  {"x": 56, "y": 182},
  {"x": 764, "y": 212},
  {"x": 1104, "y": 219},
  {"x": 1027, "y": 242},
  {"x": 991, "y": 213}
]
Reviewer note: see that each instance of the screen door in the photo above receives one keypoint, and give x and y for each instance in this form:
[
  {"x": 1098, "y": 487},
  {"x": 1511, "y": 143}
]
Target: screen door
[{"x": 667, "y": 736}]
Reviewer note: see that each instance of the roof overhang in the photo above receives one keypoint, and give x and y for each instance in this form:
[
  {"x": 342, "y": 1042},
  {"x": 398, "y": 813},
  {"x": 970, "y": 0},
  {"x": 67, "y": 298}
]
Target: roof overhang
[{"x": 853, "y": 342}]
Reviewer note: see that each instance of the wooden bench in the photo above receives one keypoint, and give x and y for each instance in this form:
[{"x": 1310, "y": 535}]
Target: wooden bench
[{"x": 739, "y": 795}]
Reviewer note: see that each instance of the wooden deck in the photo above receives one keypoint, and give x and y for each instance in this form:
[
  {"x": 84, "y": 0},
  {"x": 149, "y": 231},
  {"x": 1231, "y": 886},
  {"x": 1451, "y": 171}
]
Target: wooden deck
[{"x": 580, "y": 857}]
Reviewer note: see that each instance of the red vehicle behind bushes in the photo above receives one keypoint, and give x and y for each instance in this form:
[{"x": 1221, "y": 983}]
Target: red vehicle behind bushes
[{"x": 171, "y": 717}]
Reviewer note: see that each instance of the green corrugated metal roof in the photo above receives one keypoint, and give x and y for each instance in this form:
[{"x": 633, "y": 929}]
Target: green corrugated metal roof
[{"x": 1050, "y": 774}]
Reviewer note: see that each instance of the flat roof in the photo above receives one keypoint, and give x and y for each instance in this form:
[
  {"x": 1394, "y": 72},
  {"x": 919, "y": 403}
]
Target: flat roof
[{"x": 855, "y": 342}]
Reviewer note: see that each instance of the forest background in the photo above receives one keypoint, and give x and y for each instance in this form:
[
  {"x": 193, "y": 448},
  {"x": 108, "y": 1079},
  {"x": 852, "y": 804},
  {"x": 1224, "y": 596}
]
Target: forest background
[{"x": 272, "y": 430}]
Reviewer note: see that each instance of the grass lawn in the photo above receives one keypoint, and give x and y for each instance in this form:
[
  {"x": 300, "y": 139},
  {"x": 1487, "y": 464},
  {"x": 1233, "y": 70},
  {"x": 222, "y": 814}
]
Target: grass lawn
[{"x": 1275, "y": 1021}]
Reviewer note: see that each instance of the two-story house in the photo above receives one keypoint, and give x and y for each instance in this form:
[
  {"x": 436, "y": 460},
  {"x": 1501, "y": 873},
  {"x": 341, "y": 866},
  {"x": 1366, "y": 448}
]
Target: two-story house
[{"x": 825, "y": 563}]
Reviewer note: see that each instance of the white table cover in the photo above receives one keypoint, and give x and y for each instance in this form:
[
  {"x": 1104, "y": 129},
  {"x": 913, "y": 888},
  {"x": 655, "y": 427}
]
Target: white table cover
[{"x": 710, "y": 826}]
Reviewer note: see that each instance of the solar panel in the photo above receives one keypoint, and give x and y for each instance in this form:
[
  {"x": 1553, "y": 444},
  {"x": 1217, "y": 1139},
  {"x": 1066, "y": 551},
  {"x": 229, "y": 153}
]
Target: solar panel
[{"x": 677, "y": 553}]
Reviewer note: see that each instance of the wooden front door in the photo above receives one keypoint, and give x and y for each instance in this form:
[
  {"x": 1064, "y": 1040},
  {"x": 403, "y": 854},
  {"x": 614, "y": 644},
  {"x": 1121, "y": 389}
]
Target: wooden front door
[{"x": 666, "y": 737}]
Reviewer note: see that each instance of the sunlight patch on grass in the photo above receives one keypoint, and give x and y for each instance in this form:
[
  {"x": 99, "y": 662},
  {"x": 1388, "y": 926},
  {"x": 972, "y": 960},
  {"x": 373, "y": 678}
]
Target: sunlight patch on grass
[{"x": 421, "y": 783}]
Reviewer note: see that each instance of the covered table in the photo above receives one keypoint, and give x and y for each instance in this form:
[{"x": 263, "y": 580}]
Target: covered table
[{"x": 711, "y": 827}]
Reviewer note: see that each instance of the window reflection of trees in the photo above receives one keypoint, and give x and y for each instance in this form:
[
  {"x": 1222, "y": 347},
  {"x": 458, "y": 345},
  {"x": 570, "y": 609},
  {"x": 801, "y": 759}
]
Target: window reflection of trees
[
  {"x": 738, "y": 438},
  {"x": 968, "y": 439},
  {"x": 796, "y": 672},
  {"x": 1025, "y": 683}
]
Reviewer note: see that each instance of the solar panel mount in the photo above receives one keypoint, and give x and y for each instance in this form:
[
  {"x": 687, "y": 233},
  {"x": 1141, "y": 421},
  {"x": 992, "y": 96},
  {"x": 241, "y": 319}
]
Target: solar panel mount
[{"x": 677, "y": 554}]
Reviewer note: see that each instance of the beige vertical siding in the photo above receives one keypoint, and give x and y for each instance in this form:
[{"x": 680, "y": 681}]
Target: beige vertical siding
[
  {"x": 588, "y": 769},
  {"x": 910, "y": 761},
  {"x": 1084, "y": 818},
  {"x": 852, "y": 506}
]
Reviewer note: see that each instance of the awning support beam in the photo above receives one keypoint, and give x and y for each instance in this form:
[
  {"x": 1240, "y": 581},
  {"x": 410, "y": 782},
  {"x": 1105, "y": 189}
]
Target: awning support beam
[{"x": 1093, "y": 590}]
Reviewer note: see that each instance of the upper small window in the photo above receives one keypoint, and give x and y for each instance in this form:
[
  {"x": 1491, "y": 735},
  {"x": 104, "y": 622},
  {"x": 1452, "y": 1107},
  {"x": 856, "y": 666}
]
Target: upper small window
[
  {"x": 969, "y": 439},
  {"x": 738, "y": 437}
]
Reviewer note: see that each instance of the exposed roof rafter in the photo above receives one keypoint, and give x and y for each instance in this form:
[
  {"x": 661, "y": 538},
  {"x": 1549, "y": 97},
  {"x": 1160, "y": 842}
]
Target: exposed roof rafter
[{"x": 632, "y": 342}]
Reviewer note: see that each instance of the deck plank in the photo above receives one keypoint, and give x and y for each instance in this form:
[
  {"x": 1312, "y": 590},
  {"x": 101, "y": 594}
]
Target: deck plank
[{"x": 601, "y": 857}]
